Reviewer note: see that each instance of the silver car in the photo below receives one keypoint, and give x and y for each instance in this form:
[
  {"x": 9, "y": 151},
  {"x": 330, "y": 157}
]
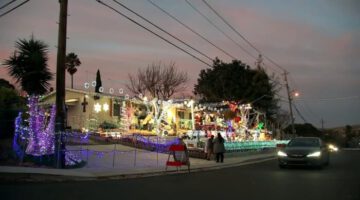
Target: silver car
[{"x": 305, "y": 151}]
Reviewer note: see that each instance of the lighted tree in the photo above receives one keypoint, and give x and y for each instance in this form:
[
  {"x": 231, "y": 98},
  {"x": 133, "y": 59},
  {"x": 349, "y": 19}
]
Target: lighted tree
[
  {"x": 40, "y": 130},
  {"x": 124, "y": 121}
]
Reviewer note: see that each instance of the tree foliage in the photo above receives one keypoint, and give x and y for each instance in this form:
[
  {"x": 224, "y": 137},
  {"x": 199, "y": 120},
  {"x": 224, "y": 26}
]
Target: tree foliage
[
  {"x": 28, "y": 65},
  {"x": 305, "y": 130},
  {"x": 10, "y": 104},
  {"x": 157, "y": 80},
  {"x": 72, "y": 61},
  {"x": 98, "y": 82},
  {"x": 236, "y": 81},
  {"x": 6, "y": 84}
]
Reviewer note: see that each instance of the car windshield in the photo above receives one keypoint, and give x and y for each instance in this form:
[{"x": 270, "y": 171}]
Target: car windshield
[{"x": 304, "y": 142}]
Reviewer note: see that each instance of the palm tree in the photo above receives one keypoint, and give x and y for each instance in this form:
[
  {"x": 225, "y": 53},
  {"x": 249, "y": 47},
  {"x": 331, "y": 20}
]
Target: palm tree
[
  {"x": 72, "y": 61},
  {"x": 28, "y": 65}
]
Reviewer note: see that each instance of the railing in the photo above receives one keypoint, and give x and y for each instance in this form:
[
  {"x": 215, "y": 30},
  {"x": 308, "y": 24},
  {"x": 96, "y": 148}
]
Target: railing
[{"x": 252, "y": 145}]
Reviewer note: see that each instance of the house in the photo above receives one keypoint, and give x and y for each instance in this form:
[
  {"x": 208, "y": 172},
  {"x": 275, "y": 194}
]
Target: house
[{"x": 87, "y": 110}]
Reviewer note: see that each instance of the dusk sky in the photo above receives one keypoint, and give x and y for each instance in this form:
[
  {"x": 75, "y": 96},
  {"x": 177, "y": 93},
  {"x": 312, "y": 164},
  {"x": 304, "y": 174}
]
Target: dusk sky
[{"x": 317, "y": 41}]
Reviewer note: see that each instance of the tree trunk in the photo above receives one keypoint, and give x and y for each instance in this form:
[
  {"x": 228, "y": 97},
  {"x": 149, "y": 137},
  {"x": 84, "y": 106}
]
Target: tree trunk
[{"x": 72, "y": 81}]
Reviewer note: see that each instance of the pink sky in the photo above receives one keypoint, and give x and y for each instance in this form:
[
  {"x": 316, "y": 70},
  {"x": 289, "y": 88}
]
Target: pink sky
[{"x": 318, "y": 47}]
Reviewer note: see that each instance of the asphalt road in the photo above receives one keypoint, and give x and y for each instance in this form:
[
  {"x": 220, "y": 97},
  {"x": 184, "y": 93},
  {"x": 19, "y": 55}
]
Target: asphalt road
[{"x": 340, "y": 181}]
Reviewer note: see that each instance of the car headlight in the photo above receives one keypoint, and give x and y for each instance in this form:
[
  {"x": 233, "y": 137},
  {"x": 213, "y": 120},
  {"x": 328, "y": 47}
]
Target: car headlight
[
  {"x": 333, "y": 147},
  {"x": 281, "y": 154},
  {"x": 315, "y": 154}
]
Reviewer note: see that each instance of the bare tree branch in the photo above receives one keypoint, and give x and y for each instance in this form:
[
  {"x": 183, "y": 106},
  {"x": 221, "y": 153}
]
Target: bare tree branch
[{"x": 159, "y": 81}]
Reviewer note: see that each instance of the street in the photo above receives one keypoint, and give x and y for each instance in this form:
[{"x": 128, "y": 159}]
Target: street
[{"x": 340, "y": 180}]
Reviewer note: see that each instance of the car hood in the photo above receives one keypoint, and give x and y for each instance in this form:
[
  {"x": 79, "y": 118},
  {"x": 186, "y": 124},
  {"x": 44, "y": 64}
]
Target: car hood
[{"x": 301, "y": 150}]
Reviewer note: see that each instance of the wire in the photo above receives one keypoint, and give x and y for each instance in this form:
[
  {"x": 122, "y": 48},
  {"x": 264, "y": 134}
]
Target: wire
[
  {"x": 190, "y": 29},
  {"x": 242, "y": 36},
  {"x": 163, "y": 30},
  {"x": 247, "y": 41},
  {"x": 298, "y": 112},
  {"x": 137, "y": 23},
  {"x": 214, "y": 25},
  {"x": 14, "y": 8},
  {"x": 7, "y": 4}
]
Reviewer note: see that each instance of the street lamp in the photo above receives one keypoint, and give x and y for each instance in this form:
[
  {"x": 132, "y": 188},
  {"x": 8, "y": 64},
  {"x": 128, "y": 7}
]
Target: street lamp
[{"x": 291, "y": 96}]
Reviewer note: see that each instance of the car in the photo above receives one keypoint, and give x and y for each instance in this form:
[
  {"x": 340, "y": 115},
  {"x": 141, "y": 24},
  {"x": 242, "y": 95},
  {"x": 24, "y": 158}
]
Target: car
[{"x": 304, "y": 151}]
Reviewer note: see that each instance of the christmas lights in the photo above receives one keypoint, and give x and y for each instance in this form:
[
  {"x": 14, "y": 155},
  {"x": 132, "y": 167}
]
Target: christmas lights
[{"x": 36, "y": 135}]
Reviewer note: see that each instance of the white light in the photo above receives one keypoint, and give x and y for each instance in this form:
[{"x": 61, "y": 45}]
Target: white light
[
  {"x": 106, "y": 107},
  {"x": 281, "y": 154},
  {"x": 111, "y": 90},
  {"x": 101, "y": 89},
  {"x": 121, "y": 91},
  {"x": 315, "y": 154},
  {"x": 127, "y": 97},
  {"x": 93, "y": 83},
  {"x": 97, "y": 107},
  {"x": 86, "y": 96},
  {"x": 140, "y": 96},
  {"x": 145, "y": 98},
  {"x": 86, "y": 85},
  {"x": 333, "y": 147},
  {"x": 191, "y": 102}
]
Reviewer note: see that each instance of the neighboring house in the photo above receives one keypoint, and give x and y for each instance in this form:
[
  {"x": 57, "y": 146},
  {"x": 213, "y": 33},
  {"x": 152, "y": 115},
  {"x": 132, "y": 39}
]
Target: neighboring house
[{"x": 87, "y": 110}]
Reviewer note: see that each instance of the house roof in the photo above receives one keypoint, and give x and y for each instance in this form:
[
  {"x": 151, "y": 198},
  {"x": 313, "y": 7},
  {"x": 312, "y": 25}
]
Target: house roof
[{"x": 44, "y": 98}]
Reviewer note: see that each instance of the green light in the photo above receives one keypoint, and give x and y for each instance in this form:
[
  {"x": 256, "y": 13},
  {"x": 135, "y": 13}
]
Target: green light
[{"x": 260, "y": 126}]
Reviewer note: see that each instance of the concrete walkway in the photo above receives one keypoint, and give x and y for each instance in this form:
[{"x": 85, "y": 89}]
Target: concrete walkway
[{"x": 129, "y": 163}]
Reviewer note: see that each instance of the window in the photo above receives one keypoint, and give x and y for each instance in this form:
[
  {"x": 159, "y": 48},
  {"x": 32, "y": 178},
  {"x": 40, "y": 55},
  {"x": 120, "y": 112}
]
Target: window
[{"x": 117, "y": 109}]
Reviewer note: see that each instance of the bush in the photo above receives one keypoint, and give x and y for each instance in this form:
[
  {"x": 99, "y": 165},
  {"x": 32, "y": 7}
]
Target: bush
[{"x": 108, "y": 125}]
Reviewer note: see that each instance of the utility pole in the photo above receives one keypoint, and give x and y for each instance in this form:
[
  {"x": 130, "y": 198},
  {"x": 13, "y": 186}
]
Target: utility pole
[
  {"x": 290, "y": 102},
  {"x": 60, "y": 87},
  {"x": 259, "y": 62}
]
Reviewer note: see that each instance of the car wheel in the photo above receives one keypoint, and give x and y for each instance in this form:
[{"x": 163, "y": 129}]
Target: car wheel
[{"x": 327, "y": 163}]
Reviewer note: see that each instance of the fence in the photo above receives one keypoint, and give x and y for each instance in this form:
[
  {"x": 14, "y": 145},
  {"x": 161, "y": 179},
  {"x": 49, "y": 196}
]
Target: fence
[
  {"x": 116, "y": 156},
  {"x": 147, "y": 152},
  {"x": 252, "y": 145}
]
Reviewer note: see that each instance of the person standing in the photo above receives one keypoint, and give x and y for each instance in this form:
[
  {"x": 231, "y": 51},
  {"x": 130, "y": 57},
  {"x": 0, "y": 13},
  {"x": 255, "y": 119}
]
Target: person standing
[
  {"x": 209, "y": 147},
  {"x": 219, "y": 148}
]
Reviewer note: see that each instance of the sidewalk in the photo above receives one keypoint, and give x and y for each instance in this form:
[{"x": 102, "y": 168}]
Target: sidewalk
[{"x": 101, "y": 169}]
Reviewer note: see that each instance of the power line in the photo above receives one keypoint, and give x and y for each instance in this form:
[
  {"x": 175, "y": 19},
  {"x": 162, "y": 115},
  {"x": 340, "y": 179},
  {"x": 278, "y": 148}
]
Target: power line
[
  {"x": 334, "y": 98},
  {"x": 247, "y": 41},
  {"x": 214, "y": 25},
  {"x": 239, "y": 34},
  {"x": 7, "y": 4},
  {"x": 148, "y": 21},
  {"x": 190, "y": 29},
  {"x": 298, "y": 112},
  {"x": 137, "y": 23},
  {"x": 307, "y": 107},
  {"x": 14, "y": 8}
]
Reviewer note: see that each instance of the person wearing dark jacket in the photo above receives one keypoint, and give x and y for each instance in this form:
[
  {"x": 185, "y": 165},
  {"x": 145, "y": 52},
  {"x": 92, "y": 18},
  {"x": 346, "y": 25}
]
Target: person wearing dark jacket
[
  {"x": 209, "y": 147},
  {"x": 219, "y": 148}
]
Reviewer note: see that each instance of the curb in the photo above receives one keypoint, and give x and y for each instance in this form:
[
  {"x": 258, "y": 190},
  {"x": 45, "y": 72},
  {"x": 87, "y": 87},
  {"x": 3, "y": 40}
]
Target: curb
[{"x": 7, "y": 177}]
